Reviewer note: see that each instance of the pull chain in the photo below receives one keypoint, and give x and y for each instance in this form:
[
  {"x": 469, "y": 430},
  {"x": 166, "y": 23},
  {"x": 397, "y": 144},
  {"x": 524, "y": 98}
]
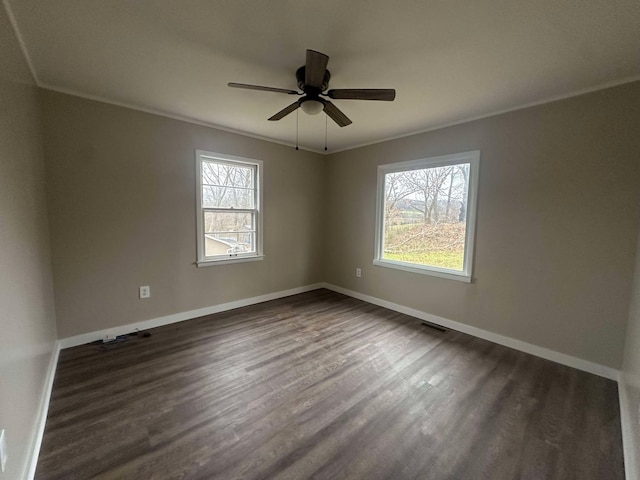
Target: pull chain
[
  {"x": 297, "y": 116},
  {"x": 325, "y": 133}
]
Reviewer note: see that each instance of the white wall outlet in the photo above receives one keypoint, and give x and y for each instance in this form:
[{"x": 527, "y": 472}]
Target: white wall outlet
[
  {"x": 3, "y": 450},
  {"x": 145, "y": 291},
  {"x": 358, "y": 272}
]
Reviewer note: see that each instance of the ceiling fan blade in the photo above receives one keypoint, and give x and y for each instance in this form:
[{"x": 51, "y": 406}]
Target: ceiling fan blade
[
  {"x": 336, "y": 114},
  {"x": 285, "y": 111},
  {"x": 384, "y": 94},
  {"x": 264, "y": 89},
  {"x": 315, "y": 67}
]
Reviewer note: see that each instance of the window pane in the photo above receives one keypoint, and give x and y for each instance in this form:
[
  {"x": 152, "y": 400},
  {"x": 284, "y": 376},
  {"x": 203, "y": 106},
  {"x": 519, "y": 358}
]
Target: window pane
[
  {"x": 223, "y": 174},
  {"x": 229, "y": 233},
  {"x": 425, "y": 216},
  {"x": 227, "y": 197}
]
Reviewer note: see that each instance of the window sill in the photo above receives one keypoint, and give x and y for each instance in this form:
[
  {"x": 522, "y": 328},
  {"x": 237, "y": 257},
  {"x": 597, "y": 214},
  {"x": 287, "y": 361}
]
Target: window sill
[
  {"x": 226, "y": 261},
  {"x": 424, "y": 270}
]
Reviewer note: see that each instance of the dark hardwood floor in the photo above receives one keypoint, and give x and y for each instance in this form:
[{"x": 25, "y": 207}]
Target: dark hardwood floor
[{"x": 324, "y": 386}]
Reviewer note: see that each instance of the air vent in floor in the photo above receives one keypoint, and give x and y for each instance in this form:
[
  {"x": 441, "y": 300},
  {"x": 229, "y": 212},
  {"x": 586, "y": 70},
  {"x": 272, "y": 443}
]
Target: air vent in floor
[{"x": 433, "y": 326}]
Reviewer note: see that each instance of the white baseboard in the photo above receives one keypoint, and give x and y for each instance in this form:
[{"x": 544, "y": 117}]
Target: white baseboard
[
  {"x": 36, "y": 438},
  {"x": 180, "y": 317},
  {"x": 627, "y": 418},
  {"x": 536, "y": 350},
  {"x": 542, "y": 352}
]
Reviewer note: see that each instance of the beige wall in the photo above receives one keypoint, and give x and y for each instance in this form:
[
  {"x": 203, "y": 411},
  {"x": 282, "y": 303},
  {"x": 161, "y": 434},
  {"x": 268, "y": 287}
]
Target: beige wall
[
  {"x": 27, "y": 318},
  {"x": 556, "y": 228},
  {"x": 631, "y": 376},
  {"x": 121, "y": 193},
  {"x": 557, "y": 219}
]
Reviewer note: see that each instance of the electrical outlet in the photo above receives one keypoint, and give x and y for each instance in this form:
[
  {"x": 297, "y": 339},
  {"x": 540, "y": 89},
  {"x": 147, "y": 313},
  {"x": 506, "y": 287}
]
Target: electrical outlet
[
  {"x": 358, "y": 272},
  {"x": 3, "y": 450},
  {"x": 145, "y": 291}
]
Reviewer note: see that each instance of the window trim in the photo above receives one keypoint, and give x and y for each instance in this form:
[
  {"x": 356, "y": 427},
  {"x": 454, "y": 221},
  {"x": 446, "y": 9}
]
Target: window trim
[
  {"x": 202, "y": 260},
  {"x": 471, "y": 157}
]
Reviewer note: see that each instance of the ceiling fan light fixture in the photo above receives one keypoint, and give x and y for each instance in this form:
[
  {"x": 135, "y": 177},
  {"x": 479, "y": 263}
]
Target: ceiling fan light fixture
[{"x": 312, "y": 107}]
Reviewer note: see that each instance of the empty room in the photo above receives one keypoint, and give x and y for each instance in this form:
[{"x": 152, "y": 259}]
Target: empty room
[{"x": 346, "y": 240}]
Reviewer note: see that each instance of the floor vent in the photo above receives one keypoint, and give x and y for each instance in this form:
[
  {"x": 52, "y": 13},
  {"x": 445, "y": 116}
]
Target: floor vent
[{"x": 434, "y": 326}]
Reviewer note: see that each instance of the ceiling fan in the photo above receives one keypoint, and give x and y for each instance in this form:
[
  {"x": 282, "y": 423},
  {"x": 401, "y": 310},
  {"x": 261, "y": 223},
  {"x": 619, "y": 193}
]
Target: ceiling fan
[{"x": 313, "y": 79}]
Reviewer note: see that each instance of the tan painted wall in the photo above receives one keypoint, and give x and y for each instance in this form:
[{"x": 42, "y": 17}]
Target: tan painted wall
[
  {"x": 631, "y": 376},
  {"x": 558, "y": 209},
  {"x": 27, "y": 316},
  {"x": 121, "y": 192},
  {"x": 556, "y": 232}
]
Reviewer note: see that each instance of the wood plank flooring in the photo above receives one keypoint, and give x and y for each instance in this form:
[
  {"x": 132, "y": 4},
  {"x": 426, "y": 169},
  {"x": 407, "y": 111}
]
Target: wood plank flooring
[{"x": 324, "y": 386}]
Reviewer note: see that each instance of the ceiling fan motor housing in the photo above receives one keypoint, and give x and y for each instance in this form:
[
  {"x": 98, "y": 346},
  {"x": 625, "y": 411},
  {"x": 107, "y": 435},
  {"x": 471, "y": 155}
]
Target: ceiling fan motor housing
[{"x": 300, "y": 76}]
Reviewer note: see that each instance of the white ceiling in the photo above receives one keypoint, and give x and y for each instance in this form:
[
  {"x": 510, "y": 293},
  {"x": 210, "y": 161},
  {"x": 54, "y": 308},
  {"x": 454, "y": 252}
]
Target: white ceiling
[{"x": 449, "y": 60}]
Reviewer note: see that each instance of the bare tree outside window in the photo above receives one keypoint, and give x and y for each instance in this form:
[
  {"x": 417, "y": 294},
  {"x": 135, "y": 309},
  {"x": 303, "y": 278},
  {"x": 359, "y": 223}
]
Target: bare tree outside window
[
  {"x": 228, "y": 208},
  {"x": 425, "y": 211}
]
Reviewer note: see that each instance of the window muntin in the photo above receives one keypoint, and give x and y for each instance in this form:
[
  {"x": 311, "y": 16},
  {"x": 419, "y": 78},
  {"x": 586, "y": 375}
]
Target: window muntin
[
  {"x": 426, "y": 215},
  {"x": 229, "y": 216}
]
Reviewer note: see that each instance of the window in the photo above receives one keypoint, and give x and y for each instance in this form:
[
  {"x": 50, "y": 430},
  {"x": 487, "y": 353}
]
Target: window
[
  {"x": 229, "y": 219},
  {"x": 426, "y": 215}
]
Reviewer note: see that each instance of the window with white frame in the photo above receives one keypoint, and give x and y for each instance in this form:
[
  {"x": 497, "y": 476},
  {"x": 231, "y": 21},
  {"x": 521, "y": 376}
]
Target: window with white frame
[
  {"x": 426, "y": 211},
  {"x": 229, "y": 219}
]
